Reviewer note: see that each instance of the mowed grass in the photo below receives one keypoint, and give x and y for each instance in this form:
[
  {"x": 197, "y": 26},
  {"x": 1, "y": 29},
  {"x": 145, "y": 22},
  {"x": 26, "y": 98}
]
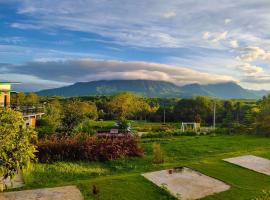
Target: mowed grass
[{"x": 121, "y": 179}]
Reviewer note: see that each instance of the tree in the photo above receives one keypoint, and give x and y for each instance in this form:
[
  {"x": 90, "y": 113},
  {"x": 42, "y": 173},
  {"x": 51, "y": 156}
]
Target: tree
[
  {"x": 31, "y": 99},
  {"x": 16, "y": 143},
  {"x": 198, "y": 109},
  {"x": 76, "y": 111},
  {"x": 263, "y": 116},
  {"x": 124, "y": 105},
  {"x": 51, "y": 121}
]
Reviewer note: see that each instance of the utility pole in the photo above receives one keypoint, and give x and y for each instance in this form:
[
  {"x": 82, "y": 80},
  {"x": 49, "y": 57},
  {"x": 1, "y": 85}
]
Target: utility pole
[
  {"x": 214, "y": 115},
  {"x": 164, "y": 116}
]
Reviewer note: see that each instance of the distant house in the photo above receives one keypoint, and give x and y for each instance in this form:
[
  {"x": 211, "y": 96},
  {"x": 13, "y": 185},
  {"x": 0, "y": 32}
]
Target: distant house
[
  {"x": 30, "y": 112},
  {"x": 5, "y": 91}
]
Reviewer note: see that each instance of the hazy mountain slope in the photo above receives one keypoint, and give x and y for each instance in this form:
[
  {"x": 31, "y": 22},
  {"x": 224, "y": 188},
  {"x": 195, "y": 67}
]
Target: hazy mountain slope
[
  {"x": 144, "y": 87},
  {"x": 228, "y": 90}
]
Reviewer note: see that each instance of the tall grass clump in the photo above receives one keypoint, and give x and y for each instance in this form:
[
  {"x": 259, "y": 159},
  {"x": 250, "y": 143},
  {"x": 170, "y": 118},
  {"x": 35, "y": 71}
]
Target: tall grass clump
[{"x": 158, "y": 155}]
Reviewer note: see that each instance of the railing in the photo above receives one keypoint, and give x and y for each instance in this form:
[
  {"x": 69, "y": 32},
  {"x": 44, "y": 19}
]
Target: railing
[{"x": 25, "y": 109}]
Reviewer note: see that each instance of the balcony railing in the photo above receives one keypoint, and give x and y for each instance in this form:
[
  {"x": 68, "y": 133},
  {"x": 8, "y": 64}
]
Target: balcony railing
[{"x": 26, "y": 109}]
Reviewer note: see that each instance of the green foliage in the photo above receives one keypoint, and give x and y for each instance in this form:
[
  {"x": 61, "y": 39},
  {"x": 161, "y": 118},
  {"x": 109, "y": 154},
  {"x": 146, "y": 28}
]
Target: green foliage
[
  {"x": 263, "y": 117},
  {"x": 75, "y": 112},
  {"x": 16, "y": 143},
  {"x": 22, "y": 99},
  {"x": 51, "y": 121},
  {"x": 85, "y": 127},
  {"x": 158, "y": 155},
  {"x": 126, "y": 105},
  {"x": 124, "y": 126}
]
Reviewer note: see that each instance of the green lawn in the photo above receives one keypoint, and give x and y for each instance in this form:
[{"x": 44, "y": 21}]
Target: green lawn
[{"x": 121, "y": 179}]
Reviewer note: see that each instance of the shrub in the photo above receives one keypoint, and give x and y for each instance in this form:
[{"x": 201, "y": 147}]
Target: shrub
[
  {"x": 85, "y": 127},
  {"x": 158, "y": 156},
  {"x": 83, "y": 147},
  {"x": 16, "y": 147},
  {"x": 264, "y": 196}
]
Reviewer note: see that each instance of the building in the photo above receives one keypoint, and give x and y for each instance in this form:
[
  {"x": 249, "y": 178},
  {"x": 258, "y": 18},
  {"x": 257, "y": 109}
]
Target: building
[
  {"x": 30, "y": 112},
  {"x": 5, "y": 91}
]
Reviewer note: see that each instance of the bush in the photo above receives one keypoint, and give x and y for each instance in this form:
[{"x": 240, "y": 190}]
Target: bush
[
  {"x": 83, "y": 147},
  {"x": 16, "y": 143},
  {"x": 158, "y": 156},
  {"x": 85, "y": 127}
]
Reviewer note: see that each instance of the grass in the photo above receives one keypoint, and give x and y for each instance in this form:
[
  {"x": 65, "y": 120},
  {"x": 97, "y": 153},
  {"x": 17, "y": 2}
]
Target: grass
[{"x": 121, "y": 179}]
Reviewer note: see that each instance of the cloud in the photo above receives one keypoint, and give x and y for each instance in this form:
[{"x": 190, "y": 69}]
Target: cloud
[
  {"x": 227, "y": 21},
  {"x": 169, "y": 14},
  {"x": 25, "y": 26},
  {"x": 250, "y": 54},
  {"x": 70, "y": 71},
  {"x": 257, "y": 79},
  {"x": 234, "y": 44},
  {"x": 145, "y": 21},
  {"x": 249, "y": 69},
  {"x": 215, "y": 36}
]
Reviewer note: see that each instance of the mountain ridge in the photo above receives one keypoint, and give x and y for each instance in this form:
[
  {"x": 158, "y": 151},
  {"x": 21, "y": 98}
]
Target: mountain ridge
[{"x": 155, "y": 88}]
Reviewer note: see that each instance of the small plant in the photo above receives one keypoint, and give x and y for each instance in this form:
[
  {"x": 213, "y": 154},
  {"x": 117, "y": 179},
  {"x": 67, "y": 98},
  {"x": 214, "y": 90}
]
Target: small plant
[
  {"x": 95, "y": 190},
  {"x": 158, "y": 156},
  {"x": 123, "y": 126},
  {"x": 264, "y": 196}
]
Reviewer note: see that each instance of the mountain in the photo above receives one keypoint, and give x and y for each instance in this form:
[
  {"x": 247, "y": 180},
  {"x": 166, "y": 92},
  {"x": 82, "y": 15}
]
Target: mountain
[
  {"x": 104, "y": 87},
  {"x": 150, "y": 88}
]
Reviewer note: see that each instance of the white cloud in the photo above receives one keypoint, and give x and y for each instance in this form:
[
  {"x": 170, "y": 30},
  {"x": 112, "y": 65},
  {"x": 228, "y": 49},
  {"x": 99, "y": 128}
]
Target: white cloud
[
  {"x": 25, "y": 26},
  {"x": 144, "y": 21},
  {"x": 250, "y": 54},
  {"x": 227, "y": 21},
  {"x": 249, "y": 69},
  {"x": 70, "y": 71},
  {"x": 169, "y": 14},
  {"x": 234, "y": 44},
  {"x": 215, "y": 36}
]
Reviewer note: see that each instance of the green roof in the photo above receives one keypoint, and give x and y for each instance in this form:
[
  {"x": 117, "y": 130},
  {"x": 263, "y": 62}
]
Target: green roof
[
  {"x": 7, "y": 83},
  {"x": 12, "y": 91}
]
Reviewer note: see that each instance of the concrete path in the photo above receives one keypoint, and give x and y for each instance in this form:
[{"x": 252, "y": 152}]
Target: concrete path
[
  {"x": 57, "y": 193},
  {"x": 185, "y": 183},
  {"x": 251, "y": 162},
  {"x": 14, "y": 183}
]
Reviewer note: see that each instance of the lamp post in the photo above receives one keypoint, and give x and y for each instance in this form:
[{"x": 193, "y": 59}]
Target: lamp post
[{"x": 214, "y": 115}]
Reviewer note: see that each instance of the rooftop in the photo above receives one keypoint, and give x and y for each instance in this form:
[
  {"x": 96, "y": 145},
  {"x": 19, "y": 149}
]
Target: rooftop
[{"x": 7, "y": 82}]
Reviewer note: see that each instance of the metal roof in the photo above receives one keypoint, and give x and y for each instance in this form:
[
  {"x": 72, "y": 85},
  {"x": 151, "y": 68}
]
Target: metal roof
[{"x": 7, "y": 83}]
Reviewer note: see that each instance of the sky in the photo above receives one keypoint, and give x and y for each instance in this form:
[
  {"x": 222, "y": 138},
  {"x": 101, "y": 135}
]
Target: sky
[{"x": 47, "y": 44}]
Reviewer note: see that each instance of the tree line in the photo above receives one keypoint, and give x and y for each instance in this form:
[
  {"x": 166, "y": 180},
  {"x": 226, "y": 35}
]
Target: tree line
[{"x": 235, "y": 115}]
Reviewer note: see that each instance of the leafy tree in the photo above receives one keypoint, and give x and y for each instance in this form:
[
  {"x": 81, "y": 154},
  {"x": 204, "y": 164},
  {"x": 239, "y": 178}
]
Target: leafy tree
[
  {"x": 76, "y": 111},
  {"x": 31, "y": 99},
  {"x": 51, "y": 121},
  {"x": 16, "y": 143},
  {"x": 263, "y": 117},
  {"x": 198, "y": 109},
  {"x": 124, "y": 105}
]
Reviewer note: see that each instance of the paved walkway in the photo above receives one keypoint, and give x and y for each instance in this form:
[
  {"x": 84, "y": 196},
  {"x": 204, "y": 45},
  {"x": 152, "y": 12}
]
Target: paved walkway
[
  {"x": 185, "y": 183},
  {"x": 254, "y": 163},
  {"x": 57, "y": 193},
  {"x": 14, "y": 183}
]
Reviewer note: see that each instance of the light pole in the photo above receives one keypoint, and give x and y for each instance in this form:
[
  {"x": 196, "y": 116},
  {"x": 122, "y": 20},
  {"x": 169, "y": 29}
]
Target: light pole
[{"x": 214, "y": 115}]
